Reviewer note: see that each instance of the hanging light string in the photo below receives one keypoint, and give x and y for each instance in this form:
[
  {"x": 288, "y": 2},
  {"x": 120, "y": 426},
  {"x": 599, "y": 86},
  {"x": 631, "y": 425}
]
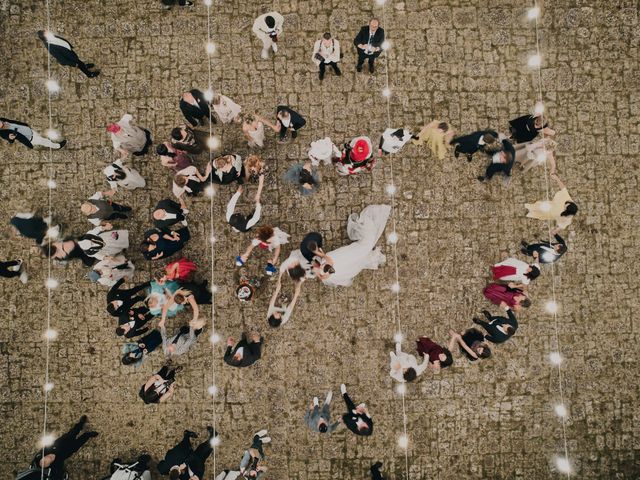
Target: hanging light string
[
  {"x": 212, "y": 144},
  {"x": 562, "y": 462},
  {"x": 392, "y": 239},
  {"x": 49, "y": 334}
]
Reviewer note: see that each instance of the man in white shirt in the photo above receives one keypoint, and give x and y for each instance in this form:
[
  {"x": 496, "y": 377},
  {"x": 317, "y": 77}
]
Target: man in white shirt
[
  {"x": 326, "y": 51},
  {"x": 404, "y": 366},
  {"x": 268, "y": 28},
  {"x": 239, "y": 222}
]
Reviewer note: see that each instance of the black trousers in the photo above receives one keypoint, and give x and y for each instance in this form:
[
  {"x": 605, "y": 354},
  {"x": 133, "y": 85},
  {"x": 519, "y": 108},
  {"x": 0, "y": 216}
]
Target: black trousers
[
  {"x": 176, "y": 455},
  {"x": 363, "y": 56},
  {"x": 495, "y": 168},
  {"x": 375, "y": 472},
  {"x": 198, "y": 458},
  {"x": 283, "y": 133},
  {"x": 69, "y": 443},
  {"x": 334, "y": 65},
  {"x": 4, "y": 269}
]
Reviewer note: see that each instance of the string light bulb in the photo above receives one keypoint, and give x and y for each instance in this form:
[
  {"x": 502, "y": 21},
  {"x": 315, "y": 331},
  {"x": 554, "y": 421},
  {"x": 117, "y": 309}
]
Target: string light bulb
[
  {"x": 51, "y": 184},
  {"x": 211, "y": 48},
  {"x": 555, "y": 358},
  {"x": 545, "y": 206},
  {"x": 401, "y": 389},
  {"x": 541, "y": 157},
  {"x": 213, "y": 289},
  {"x": 213, "y": 390},
  {"x": 213, "y": 239},
  {"x": 386, "y": 45},
  {"x": 50, "y": 334},
  {"x": 392, "y": 238},
  {"x": 208, "y": 94},
  {"x": 534, "y": 60},
  {"x": 47, "y": 387},
  {"x": 53, "y": 134},
  {"x": 395, "y": 287},
  {"x": 533, "y": 13},
  {"x": 213, "y": 143},
  {"x": 563, "y": 465},
  {"x": 381, "y": 2},
  {"x": 209, "y": 191},
  {"x": 47, "y": 440},
  {"x": 51, "y": 283},
  {"x": 208, "y": 3},
  {"x": 386, "y": 92},
  {"x": 551, "y": 306},
  {"x": 214, "y": 338},
  {"x": 538, "y": 109},
  {"x": 398, "y": 337},
  {"x": 560, "y": 410},
  {"x": 391, "y": 189},
  {"x": 215, "y": 441},
  {"x": 403, "y": 441},
  {"x": 52, "y": 86},
  {"x": 49, "y": 36}
]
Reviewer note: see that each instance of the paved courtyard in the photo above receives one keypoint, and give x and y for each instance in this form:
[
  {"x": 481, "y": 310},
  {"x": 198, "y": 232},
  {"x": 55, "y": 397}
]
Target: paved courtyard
[{"x": 460, "y": 61}]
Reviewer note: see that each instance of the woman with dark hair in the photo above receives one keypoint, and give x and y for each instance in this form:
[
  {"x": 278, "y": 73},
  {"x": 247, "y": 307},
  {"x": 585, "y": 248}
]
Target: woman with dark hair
[
  {"x": 439, "y": 357},
  {"x": 102, "y": 241},
  {"x": 545, "y": 251},
  {"x": 160, "y": 387},
  {"x": 514, "y": 270},
  {"x": 526, "y": 128},
  {"x": 118, "y": 175},
  {"x": 186, "y": 139},
  {"x": 471, "y": 344},
  {"x": 65, "y": 250},
  {"x": 562, "y": 209},
  {"x": 162, "y": 243},
  {"x": 30, "y": 225},
  {"x": 404, "y": 366},
  {"x": 514, "y": 298},
  {"x": 134, "y": 353},
  {"x": 173, "y": 158},
  {"x": 437, "y": 136},
  {"x": 190, "y": 181},
  {"x": 266, "y": 238},
  {"x": 191, "y": 293}
]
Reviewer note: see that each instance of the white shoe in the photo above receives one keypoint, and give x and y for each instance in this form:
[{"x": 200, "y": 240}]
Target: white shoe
[
  {"x": 265, "y": 54},
  {"x": 261, "y": 433},
  {"x": 24, "y": 277},
  {"x": 274, "y": 47},
  {"x": 329, "y": 397},
  {"x": 315, "y": 401},
  {"x": 343, "y": 389},
  {"x": 265, "y": 439}
]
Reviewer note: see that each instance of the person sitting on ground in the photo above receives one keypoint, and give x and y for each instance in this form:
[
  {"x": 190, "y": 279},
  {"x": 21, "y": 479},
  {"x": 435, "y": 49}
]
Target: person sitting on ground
[
  {"x": 244, "y": 353},
  {"x": 471, "y": 344},
  {"x": 499, "y": 329},
  {"x": 404, "y": 366},
  {"x": 544, "y": 251}
]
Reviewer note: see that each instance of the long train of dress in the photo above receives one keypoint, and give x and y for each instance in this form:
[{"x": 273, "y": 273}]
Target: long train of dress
[{"x": 364, "y": 229}]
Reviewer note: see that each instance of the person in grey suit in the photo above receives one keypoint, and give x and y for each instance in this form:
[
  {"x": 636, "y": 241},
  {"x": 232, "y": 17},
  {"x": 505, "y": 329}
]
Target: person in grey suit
[{"x": 319, "y": 419}]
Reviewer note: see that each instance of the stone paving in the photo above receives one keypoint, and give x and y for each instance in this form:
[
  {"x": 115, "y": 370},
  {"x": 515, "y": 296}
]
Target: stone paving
[{"x": 463, "y": 61}]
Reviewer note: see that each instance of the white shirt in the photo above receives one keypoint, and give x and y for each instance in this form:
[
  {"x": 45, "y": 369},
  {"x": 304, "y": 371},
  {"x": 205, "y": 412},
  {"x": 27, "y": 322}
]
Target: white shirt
[
  {"x": 521, "y": 268},
  {"x": 231, "y": 208},
  {"x": 401, "y": 360},
  {"x": 322, "y": 150},
  {"x": 330, "y": 53},
  {"x": 260, "y": 25},
  {"x": 53, "y": 40},
  {"x": 393, "y": 144}
]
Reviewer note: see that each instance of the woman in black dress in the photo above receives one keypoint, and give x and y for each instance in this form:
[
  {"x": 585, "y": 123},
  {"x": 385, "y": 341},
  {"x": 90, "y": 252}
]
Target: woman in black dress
[
  {"x": 162, "y": 242},
  {"x": 159, "y": 387},
  {"x": 471, "y": 344},
  {"x": 227, "y": 169},
  {"x": 66, "y": 250}
]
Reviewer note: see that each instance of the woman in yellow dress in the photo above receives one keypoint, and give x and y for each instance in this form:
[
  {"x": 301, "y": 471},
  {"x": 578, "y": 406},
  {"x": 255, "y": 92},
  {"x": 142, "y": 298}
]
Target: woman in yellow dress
[
  {"x": 562, "y": 209},
  {"x": 437, "y": 136}
]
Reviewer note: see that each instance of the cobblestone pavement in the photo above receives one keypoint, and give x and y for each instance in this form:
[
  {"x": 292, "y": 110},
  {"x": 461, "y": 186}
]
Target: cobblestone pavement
[{"x": 463, "y": 61}]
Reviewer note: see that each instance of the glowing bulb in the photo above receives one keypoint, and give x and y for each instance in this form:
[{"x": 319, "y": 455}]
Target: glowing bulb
[
  {"x": 395, "y": 287},
  {"x": 541, "y": 157},
  {"x": 52, "y": 232},
  {"x": 51, "y": 283},
  {"x": 47, "y": 440},
  {"x": 51, "y": 184},
  {"x": 213, "y": 288},
  {"x": 210, "y": 191},
  {"x": 213, "y": 390},
  {"x": 403, "y": 441},
  {"x": 53, "y": 135},
  {"x": 386, "y": 92},
  {"x": 551, "y": 307},
  {"x": 213, "y": 143},
  {"x": 535, "y": 60},
  {"x": 208, "y": 95},
  {"x": 398, "y": 337},
  {"x": 208, "y": 3},
  {"x": 381, "y": 2},
  {"x": 560, "y": 410},
  {"x": 50, "y": 334},
  {"x": 563, "y": 465},
  {"x": 538, "y": 109},
  {"x": 401, "y": 389},
  {"x": 211, "y": 48},
  {"x": 545, "y": 206},
  {"x": 49, "y": 36},
  {"x": 214, "y": 338},
  {"x": 555, "y": 358},
  {"x": 213, "y": 239},
  {"x": 47, "y": 387},
  {"x": 386, "y": 45},
  {"x": 215, "y": 441},
  {"x": 392, "y": 238},
  {"x": 391, "y": 189},
  {"x": 52, "y": 86},
  {"x": 533, "y": 13}
]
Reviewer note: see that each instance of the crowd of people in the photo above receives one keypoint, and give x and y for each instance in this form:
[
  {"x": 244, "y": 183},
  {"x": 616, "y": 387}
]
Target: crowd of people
[{"x": 142, "y": 311}]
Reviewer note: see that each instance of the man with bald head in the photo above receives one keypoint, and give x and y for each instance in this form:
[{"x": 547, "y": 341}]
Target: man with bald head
[{"x": 369, "y": 44}]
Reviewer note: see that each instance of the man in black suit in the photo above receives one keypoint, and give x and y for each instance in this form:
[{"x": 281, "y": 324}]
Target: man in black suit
[
  {"x": 499, "y": 329},
  {"x": 12, "y": 130},
  {"x": 132, "y": 323},
  {"x": 357, "y": 418},
  {"x": 195, "y": 108},
  {"x": 369, "y": 44},
  {"x": 470, "y": 144},
  {"x": 501, "y": 161},
  {"x": 121, "y": 301},
  {"x": 246, "y": 352},
  {"x": 288, "y": 120},
  {"x": 167, "y": 213},
  {"x": 62, "y": 50}
]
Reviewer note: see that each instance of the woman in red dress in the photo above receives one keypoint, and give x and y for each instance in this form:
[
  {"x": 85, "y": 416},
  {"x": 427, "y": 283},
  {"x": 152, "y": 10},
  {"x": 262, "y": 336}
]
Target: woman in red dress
[
  {"x": 182, "y": 269},
  {"x": 513, "y": 297}
]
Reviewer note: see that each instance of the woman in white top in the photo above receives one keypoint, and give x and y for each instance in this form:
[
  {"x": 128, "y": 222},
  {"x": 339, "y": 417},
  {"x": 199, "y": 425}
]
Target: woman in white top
[
  {"x": 393, "y": 139},
  {"x": 561, "y": 208},
  {"x": 227, "y": 110},
  {"x": 326, "y": 51},
  {"x": 119, "y": 175},
  {"x": 102, "y": 241},
  {"x": 404, "y": 366},
  {"x": 536, "y": 153},
  {"x": 323, "y": 150},
  {"x": 111, "y": 269},
  {"x": 266, "y": 238},
  {"x": 253, "y": 130},
  {"x": 518, "y": 273}
]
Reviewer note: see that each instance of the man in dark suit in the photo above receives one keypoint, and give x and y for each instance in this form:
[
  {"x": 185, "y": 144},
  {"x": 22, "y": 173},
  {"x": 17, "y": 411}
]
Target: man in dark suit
[
  {"x": 167, "y": 213},
  {"x": 62, "y": 51},
  {"x": 499, "y": 329},
  {"x": 177, "y": 455},
  {"x": 246, "y": 352},
  {"x": 12, "y": 130},
  {"x": 357, "y": 418},
  {"x": 470, "y": 144},
  {"x": 369, "y": 44},
  {"x": 132, "y": 323},
  {"x": 288, "y": 120},
  {"x": 195, "y": 108},
  {"x": 501, "y": 162},
  {"x": 121, "y": 301}
]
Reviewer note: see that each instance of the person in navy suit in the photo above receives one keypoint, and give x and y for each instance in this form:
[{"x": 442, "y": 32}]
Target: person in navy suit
[
  {"x": 62, "y": 50},
  {"x": 369, "y": 44}
]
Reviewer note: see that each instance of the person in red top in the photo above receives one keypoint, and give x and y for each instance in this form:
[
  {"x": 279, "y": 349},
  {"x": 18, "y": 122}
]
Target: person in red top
[
  {"x": 182, "y": 269},
  {"x": 357, "y": 157},
  {"x": 514, "y": 297},
  {"x": 439, "y": 357}
]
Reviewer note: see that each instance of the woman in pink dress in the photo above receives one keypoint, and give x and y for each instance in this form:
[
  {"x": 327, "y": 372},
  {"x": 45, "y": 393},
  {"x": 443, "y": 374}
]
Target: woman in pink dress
[
  {"x": 514, "y": 298},
  {"x": 182, "y": 269}
]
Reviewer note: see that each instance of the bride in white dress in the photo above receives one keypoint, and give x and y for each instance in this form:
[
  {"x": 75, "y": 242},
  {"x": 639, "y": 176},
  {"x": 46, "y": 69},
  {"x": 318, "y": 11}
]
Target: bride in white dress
[{"x": 365, "y": 230}]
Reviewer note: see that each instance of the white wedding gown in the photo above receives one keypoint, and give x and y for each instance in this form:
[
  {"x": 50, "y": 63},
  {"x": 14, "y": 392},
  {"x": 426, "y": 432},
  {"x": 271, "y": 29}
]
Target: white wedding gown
[{"x": 365, "y": 230}]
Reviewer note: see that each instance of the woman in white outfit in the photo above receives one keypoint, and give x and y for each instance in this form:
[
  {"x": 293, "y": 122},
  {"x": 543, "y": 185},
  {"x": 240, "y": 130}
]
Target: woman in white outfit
[
  {"x": 119, "y": 175},
  {"x": 227, "y": 110},
  {"x": 365, "y": 230},
  {"x": 253, "y": 129},
  {"x": 103, "y": 242},
  {"x": 128, "y": 138},
  {"x": 111, "y": 269}
]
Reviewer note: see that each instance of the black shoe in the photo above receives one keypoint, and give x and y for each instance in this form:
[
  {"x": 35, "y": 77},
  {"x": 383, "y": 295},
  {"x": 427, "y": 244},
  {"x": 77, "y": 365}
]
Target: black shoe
[
  {"x": 337, "y": 71},
  {"x": 82, "y": 421},
  {"x": 481, "y": 178},
  {"x": 524, "y": 251},
  {"x": 92, "y": 434},
  {"x": 93, "y": 74},
  {"x": 63, "y": 143},
  {"x": 371, "y": 68},
  {"x": 456, "y": 153},
  {"x": 475, "y": 320},
  {"x": 524, "y": 244},
  {"x": 89, "y": 65},
  {"x": 486, "y": 314},
  {"x": 469, "y": 157},
  {"x": 294, "y": 134},
  {"x": 190, "y": 434},
  {"x": 212, "y": 432},
  {"x": 321, "y": 76},
  {"x": 359, "y": 68}
]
